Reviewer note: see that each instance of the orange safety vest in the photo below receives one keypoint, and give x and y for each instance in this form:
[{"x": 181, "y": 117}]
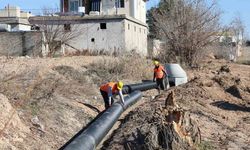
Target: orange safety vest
[
  {"x": 159, "y": 74},
  {"x": 105, "y": 87}
]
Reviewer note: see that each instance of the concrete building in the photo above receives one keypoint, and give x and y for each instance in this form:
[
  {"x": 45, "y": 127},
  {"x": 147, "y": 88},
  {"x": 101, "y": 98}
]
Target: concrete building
[
  {"x": 107, "y": 25},
  {"x": 109, "y": 33},
  {"x": 13, "y": 19},
  {"x": 133, "y": 8}
]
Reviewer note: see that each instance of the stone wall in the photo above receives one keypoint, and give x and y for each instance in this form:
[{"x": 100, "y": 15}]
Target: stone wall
[{"x": 21, "y": 43}]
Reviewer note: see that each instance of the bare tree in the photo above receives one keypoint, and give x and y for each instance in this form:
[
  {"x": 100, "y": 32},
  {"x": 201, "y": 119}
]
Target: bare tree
[
  {"x": 58, "y": 31},
  {"x": 238, "y": 28},
  {"x": 187, "y": 26}
]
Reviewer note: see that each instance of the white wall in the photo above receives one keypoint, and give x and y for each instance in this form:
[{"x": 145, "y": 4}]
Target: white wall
[
  {"x": 20, "y": 27},
  {"x": 117, "y": 37},
  {"x": 133, "y": 8},
  {"x": 110, "y": 39},
  {"x": 138, "y": 10},
  {"x": 10, "y": 12},
  {"x": 108, "y": 8},
  {"x": 136, "y": 37}
]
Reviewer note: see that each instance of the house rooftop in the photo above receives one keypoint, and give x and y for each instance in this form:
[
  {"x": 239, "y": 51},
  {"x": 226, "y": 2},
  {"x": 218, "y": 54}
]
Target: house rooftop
[
  {"x": 14, "y": 20},
  {"x": 77, "y": 19}
]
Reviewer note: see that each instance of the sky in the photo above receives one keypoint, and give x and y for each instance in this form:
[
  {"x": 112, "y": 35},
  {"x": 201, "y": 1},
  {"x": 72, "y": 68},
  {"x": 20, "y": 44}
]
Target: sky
[
  {"x": 35, "y": 5},
  {"x": 230, "y": 8}
]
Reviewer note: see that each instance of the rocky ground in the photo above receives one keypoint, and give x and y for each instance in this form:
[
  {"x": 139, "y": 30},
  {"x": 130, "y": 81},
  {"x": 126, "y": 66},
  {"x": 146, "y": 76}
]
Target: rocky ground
[{"x": 44, "y": 102}]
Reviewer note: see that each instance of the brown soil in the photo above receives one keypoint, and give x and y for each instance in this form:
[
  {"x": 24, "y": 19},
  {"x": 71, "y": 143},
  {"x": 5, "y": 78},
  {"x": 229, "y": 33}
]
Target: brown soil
[
  {"x": 57, "y": 93},
  {"x": 217, "y": 98},
  {"x": 46, "y": 101}
]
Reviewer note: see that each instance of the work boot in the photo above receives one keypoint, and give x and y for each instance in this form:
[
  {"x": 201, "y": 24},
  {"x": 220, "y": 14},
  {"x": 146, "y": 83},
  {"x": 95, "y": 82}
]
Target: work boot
[{"x": 159, "y": 92}]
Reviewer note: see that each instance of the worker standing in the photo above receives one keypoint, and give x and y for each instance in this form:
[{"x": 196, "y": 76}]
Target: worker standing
[
  {"x": 159, "y": 76},
  {"x": 108, "y": 90}
]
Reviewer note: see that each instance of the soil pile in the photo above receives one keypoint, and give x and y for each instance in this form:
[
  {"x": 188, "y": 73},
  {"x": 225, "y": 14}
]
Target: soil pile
[{"x": 216, "y": 103}]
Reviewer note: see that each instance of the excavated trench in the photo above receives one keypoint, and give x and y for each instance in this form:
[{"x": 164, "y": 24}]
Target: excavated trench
[
  {"x": 90, "y": 137},
  {"x": 167, "y": 127},
  {"x": 156, "y": 126}
]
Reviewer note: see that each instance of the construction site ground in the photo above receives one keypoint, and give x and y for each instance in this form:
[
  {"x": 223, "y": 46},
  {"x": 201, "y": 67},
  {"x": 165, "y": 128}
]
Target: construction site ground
[{"x": 45, "y": 101}]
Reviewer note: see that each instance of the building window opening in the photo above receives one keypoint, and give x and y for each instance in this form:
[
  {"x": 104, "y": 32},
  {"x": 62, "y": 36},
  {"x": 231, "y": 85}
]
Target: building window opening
[
  {"x": 67, "y": 27},
  {"x": 128, "y": 26},
  {"x": 119, "y": 4},
  {"x": 135, "y": 28},
  {"x": 103, "y": 25},
  {"x": 73, "y": 5},
  {"x": 93, "y": 40},
  {"x": 95, "y": 5}
]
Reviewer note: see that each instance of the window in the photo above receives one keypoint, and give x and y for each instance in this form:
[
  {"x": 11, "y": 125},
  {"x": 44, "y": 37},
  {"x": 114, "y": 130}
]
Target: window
[
  {"x": 33, "y": 27},
  {"x": 95, "y": 5},
  {"x": 119, "y": 3},
  {"x": 93, "y": 40},
  {"x": 103, "y": 25},
  {"x": 73, "y": 5},
  {"x": 140, "y": 30},
  {"x": 135, "y": 28},
  {"x": 128, "y": 26},
  {"x": 67, "y": 27}
]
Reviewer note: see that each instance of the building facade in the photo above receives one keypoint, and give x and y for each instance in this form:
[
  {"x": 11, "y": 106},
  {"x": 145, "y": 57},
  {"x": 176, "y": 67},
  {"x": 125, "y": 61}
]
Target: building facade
[
  {"x": 111, "y": 34},
  {"x": 133, "y": 8},
  {"x": 103, "y": 25},
  {"x": 13, "y": 19}
]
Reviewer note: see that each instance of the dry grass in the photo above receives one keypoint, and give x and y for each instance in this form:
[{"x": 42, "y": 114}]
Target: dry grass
[{"x": 129, "y": 67}]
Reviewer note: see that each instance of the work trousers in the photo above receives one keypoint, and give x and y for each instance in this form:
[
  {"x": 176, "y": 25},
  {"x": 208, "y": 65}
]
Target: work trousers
[
  {"x": 161, "y": 83},
  {"x": 106, "y": 99}
]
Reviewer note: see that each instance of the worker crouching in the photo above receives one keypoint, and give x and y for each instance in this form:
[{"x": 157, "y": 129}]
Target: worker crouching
[{"x": 110, "y": 89}]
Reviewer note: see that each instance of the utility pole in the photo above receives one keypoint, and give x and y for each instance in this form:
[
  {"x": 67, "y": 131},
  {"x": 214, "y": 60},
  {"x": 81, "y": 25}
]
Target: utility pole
[{"x": 8, "y": 8}]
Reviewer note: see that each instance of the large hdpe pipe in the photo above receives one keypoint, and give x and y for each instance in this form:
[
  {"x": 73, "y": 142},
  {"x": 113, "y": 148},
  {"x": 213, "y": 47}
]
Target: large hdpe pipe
[
  {"x": 139, "y": 87},
  {"x": 93, "y": 135}
]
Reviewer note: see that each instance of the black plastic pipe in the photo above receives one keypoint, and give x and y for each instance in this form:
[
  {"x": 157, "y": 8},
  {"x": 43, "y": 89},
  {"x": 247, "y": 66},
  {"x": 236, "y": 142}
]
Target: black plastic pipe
[
  {"x": 93, "y": 135},
  {"x": 139, "y": 87}
]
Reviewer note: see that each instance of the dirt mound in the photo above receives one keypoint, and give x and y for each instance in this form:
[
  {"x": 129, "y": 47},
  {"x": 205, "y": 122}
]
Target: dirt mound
[
  {"x": 12, "y": 129},
  {"x": 159, "y": 124},
  {"x": 216, "y": 100},
  {"x": 52, "y": 97},
  {"x": 47, "y": 101}
]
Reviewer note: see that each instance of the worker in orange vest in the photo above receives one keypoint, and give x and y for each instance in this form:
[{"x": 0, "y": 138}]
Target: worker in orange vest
[
  {"x": 159, "y": 76},
  {"x": 108, "y": 90}
]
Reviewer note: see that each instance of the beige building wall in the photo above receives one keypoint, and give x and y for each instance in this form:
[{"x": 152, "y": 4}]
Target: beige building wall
[
  {"x": 25, "y": 15},
  {"x": 138, "y": 10},
  {"x": 103, "y": 33},
  {"x": 108, "y": 8},
  {"x": 119, "y": 36},
  {"x": 132, "y": 8},
  {"x": 14, "y": 11},
  {"x": 93, "y": 38},
  {"x": 10, "y": 12},
  {"x": 21, "y": 27},
  {"x": 136, "y": 37}
]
